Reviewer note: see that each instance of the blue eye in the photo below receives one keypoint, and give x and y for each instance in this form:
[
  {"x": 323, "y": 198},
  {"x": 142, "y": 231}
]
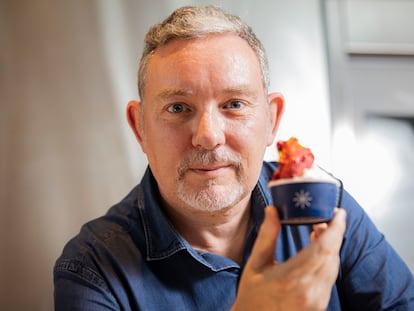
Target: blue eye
[
  {"x": 176, "y": 108},
  {"x": 234, "y": 104}
]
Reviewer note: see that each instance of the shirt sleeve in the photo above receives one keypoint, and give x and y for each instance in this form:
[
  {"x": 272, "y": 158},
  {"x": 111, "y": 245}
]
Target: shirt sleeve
[
  {"x": 77, "y": 287},
  {"x": 372, "y": 275}
]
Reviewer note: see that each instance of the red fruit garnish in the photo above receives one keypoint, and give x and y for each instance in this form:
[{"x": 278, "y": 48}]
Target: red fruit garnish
[{"x": 293, "y": 159}]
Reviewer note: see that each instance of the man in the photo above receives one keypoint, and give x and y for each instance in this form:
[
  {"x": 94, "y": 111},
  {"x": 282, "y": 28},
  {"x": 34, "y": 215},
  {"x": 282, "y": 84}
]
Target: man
[{"x": 199, "y": 231}]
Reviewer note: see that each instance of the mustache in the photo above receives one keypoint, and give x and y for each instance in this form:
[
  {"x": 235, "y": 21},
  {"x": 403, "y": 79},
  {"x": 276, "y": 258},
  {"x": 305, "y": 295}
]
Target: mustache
[{"x": 208, "y": 157}]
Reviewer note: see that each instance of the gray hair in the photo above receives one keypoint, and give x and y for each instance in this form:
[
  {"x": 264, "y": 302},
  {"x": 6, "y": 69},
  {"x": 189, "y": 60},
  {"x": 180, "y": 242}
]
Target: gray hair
[{"x": 196, "y": 22}]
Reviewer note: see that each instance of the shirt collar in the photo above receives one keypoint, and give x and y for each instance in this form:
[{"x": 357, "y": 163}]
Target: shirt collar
[{"x": 163, "y": 241}]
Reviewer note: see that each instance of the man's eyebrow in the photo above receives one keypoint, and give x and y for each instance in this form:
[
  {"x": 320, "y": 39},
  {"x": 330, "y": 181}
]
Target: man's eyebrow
[
  {"x": 170, "y": 92},
  {"x": 240, "y": 90}
]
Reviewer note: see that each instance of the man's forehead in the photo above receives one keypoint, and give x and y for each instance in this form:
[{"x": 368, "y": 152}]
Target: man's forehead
[
  {"x": 224, "y": 53},
  {"x": 185, "y": 65},
  {"x": 210, "y": 39}
]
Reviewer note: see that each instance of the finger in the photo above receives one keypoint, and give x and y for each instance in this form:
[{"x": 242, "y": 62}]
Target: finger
[
  {"x": 265, "y": 244},
  {"x": 317, "y": 231},
  {"x": 327, "y": 245},
  {"x": 329, "y": 271},
  {"x": 333, "y": 236}
]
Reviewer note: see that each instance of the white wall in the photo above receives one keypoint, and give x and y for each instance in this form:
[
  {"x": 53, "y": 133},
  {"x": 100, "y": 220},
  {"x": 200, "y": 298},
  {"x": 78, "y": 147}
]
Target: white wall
[{"x": 371, "y": 46}]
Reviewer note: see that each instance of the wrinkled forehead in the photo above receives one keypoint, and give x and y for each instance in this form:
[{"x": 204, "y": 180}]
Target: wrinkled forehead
[{"x": 223, "y": 59}]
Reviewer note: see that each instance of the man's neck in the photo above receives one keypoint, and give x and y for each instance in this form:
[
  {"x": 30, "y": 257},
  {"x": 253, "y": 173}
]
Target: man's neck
[{"x": 222, "y": 233}]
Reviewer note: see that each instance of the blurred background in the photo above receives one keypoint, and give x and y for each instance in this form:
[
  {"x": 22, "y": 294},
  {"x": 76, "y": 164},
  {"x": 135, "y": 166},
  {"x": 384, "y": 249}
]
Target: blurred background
[{"x": 68, "y": 68}]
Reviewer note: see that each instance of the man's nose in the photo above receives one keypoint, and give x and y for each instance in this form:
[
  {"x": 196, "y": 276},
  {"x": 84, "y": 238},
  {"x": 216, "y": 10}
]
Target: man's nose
[{"x": 209, "y": 131}]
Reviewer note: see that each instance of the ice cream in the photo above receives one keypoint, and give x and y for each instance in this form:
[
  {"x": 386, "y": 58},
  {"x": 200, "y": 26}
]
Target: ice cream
[{"x": 303, "y": 192}]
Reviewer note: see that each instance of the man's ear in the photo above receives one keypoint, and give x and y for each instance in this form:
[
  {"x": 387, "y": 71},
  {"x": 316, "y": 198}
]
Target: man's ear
[
  {"x": 134, "y": 117},
  {"x": 276, "y": 107}
]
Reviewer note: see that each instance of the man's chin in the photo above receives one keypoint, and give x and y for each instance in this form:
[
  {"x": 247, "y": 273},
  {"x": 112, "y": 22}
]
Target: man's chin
[{"x": 213, "y": 198}]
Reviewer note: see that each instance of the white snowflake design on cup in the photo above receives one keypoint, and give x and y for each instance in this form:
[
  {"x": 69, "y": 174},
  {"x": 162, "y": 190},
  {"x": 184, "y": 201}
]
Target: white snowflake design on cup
[{"x": 302, "y": 199}]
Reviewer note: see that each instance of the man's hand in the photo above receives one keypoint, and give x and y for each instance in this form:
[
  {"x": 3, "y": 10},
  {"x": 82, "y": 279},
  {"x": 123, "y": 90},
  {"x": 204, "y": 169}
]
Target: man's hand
[{"x": 304, "y": 282}]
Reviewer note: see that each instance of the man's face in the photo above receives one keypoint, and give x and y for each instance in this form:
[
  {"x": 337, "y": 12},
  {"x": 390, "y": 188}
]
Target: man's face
[{"x": 206, "y": 122}]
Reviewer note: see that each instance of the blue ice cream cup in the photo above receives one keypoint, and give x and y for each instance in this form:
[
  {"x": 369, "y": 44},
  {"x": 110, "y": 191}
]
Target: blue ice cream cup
[{"x": 302, "y": 200}]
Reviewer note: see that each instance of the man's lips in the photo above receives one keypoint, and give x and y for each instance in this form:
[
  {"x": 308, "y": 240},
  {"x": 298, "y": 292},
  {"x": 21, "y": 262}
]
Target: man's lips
[
  {"x": 209, "y": 164},
  {"x": 210, "y": 170}
]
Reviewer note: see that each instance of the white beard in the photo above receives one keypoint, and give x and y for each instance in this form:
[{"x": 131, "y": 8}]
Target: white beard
[{"x": 212, "y": 197}]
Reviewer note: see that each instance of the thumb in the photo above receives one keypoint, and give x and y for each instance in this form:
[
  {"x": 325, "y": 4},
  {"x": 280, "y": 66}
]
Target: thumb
[{"x": 265, "y": 244}]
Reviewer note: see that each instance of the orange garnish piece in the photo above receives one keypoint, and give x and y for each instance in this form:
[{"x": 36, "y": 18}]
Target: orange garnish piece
[{"x": 293, "y": 159}]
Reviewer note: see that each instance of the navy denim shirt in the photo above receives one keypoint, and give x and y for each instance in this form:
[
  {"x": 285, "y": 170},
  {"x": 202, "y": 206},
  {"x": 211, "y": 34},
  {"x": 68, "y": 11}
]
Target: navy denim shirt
[{"x": 133, "y": 259}]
